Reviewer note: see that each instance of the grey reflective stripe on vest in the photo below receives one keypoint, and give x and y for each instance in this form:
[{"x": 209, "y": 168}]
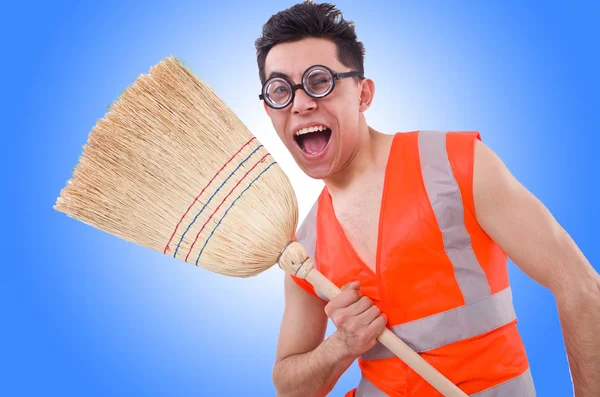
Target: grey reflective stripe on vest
[
  {"x": 367, "y": 389},
  {"x": 445, "y": 198},
  {"x": 307, "y": 232},
  {"x": 451, "y": 326},
  {"x": 307, "y": 236},
  {"x": 519, "y": 386}
]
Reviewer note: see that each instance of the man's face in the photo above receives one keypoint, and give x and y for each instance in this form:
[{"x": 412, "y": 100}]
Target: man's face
[{"x": 320, "y": 154}]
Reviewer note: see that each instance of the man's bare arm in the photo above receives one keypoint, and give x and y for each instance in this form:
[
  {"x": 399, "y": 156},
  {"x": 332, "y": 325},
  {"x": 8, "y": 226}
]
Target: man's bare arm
[
  {"x": 524, "y": 228},
  {"x": 306, "y": 365}
]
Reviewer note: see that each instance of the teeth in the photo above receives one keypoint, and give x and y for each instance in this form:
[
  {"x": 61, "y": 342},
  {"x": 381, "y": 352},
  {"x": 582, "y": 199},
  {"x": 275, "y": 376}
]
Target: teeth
[{"x": 311, "y": 129}]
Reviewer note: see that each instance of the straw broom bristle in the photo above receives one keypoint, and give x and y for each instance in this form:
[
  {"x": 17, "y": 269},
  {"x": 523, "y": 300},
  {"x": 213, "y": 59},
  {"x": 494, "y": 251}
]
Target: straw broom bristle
[{"x": 170, "y": 167}]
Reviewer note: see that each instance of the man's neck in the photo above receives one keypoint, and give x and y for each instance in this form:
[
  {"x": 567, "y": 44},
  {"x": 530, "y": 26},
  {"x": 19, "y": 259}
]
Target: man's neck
[{"x": 368, "y": 162}]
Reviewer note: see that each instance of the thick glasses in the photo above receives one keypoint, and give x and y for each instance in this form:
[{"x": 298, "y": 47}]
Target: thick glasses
[{"x": 318, "y": 81}]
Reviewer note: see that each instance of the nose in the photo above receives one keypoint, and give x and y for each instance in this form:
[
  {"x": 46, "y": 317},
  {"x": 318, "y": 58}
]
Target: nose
[{"x": 303, "y": 103}]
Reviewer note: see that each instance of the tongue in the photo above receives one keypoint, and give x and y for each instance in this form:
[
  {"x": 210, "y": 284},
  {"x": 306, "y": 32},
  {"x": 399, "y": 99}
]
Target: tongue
[{"x": 314, "y": 142}]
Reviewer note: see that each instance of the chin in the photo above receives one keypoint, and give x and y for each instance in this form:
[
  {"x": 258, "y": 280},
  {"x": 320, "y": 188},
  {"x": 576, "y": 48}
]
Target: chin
[
  {"x": 315, "y": 170},
  {"x": 316, "y": 174}
]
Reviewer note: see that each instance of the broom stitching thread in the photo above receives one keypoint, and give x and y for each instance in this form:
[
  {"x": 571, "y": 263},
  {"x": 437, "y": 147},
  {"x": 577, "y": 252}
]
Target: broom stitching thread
[
  {"x": 225, "y": 214},
  {"x": 197, "y": 197},
  {"x": 211, "y": 197},
  {"x": 221, "y": 203}
]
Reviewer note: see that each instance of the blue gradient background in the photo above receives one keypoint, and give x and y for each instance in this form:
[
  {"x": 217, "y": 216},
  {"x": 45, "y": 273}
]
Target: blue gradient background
[{"x": 86, "y": 314}]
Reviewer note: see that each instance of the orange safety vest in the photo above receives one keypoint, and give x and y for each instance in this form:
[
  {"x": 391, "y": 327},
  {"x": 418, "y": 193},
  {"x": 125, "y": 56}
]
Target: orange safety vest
[{"x": 441, "y": 281}]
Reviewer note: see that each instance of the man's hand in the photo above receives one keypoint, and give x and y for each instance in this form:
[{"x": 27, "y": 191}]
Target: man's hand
[{"x": 358, "y": 321}]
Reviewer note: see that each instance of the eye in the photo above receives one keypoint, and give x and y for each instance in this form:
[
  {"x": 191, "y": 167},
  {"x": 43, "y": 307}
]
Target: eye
[
  {"x": 278, "y": 90},
  {"x": 281, "y": 89},
  {"x": 319, "y": 81}
]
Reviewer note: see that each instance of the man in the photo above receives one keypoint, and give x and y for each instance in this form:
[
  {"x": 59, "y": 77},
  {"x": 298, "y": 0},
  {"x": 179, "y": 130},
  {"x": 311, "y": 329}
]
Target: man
[{"x": 417, "y": 228}]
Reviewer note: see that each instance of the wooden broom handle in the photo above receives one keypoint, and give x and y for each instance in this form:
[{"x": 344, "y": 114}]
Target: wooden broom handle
[{"x": 394, "y": 343}]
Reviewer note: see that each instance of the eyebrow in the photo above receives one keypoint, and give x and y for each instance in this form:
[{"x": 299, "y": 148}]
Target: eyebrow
[{"x": 278, "y": 74}]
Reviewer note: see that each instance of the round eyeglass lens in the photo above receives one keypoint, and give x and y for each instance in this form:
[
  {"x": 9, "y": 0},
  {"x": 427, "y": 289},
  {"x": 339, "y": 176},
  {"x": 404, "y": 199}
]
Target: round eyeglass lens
[
  {"x": 318, "y": 82},
  {"x": 278, "y": 92}
]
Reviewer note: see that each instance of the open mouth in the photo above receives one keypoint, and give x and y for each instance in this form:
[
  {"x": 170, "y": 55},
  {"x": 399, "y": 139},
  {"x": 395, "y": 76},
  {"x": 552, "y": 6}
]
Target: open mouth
[{"x": 313, "y": 140}]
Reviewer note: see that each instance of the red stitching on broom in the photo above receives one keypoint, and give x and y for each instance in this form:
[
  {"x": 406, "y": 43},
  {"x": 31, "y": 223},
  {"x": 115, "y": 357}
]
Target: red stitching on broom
[
  {"x": 228, "y": 194},
  {"x": 167, "y": 248}
]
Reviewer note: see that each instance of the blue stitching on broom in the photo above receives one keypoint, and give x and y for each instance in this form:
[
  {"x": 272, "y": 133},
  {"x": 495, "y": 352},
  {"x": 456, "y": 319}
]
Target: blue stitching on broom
[
  {"x": 238, "y": 197},
  {"x": 211, "y": 197}
]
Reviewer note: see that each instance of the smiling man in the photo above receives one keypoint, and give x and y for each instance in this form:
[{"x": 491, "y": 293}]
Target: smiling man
[{"x": 416, "y": 228}]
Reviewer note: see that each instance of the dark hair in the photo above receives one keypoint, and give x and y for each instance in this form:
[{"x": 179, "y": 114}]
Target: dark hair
[{"x": 310, "y": 20}]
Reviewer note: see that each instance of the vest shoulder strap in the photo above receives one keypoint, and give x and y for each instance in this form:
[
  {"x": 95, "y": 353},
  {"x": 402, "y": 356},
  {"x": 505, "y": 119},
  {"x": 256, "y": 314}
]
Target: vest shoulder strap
[{"x": 306, "y": 235}]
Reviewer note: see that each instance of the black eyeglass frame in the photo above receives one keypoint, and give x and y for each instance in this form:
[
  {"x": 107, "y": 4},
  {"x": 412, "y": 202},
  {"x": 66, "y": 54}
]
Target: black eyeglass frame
[{"x": 294, "y": 87}]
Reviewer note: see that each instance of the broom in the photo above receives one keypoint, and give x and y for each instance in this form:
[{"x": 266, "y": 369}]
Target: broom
[{"x": 171, "y": 168}]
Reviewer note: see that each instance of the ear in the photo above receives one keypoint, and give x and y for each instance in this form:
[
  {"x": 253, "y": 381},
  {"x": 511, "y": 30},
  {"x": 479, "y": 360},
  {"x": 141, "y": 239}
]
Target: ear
[
  {"x": 367, "y": 92},
  {"x": 267, "y": 109}
]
